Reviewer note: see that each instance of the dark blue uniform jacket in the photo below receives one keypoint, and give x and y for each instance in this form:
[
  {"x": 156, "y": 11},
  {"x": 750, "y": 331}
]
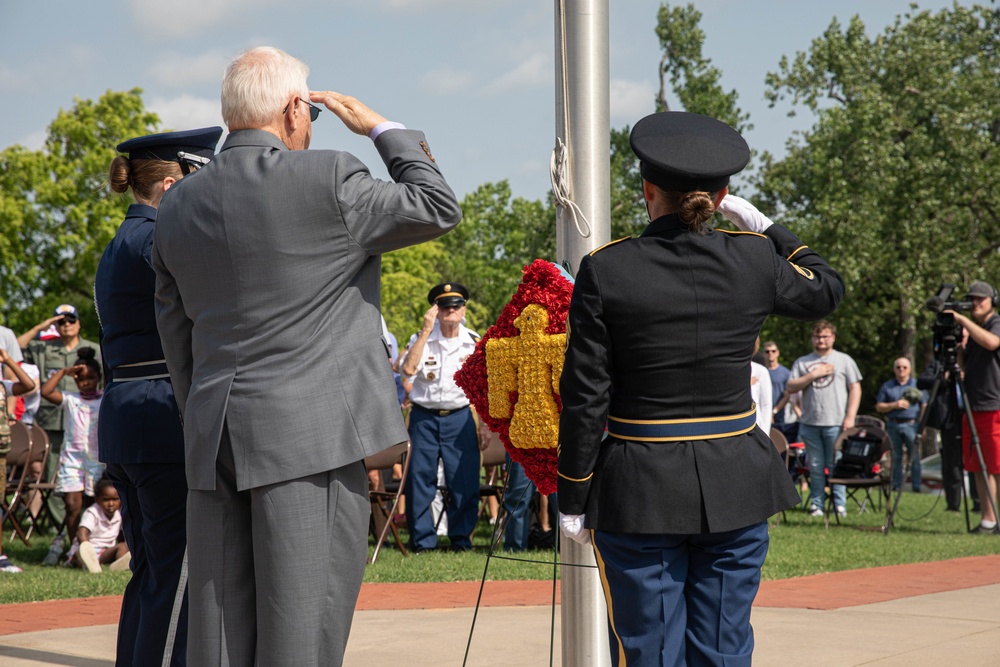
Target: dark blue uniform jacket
[
  {"x": 139, "y": 421},
  {"x": 662, "y": 327}
]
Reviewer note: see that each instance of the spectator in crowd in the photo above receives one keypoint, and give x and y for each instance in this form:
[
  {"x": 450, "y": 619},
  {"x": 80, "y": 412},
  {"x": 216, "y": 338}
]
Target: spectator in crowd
[
  {"x": 8, "y": 343},
  {"x": 50, "y": 356},
  {"x": 779, "y": 379},
  {"x": 285, "y": 395},
  {"x": 20, "y": 384},
  {"x": 79, "y": 467},
  {"x": 830, "y": 383},
  {"x": 96, "y": 540},
  {"x": 661, "y": 329},
  {"x": 140, "y": 433},
  {"x": 441, "y": 422},
  {"x": 903, "y": 404},
  {"x": 761, "y": 393},
  {"x": 982, "y": 381}
]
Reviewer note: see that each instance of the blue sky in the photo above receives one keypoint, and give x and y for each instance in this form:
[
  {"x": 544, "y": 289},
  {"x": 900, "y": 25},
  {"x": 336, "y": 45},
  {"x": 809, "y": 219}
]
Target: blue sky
[{"x": 476, "y": 75}]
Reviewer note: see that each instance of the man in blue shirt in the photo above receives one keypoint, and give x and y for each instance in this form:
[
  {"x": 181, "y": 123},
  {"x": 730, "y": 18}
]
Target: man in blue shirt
[
  {"x": 779, "y": 378},
  {"x": 902, "y": 404}
]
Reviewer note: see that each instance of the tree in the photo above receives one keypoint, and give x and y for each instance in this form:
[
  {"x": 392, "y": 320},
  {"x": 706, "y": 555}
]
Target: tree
[
  {"x": 694, "y": 81},
  {"x": 898, "y": 181},
  {"x": 55, "y": 219},
  {"x": 498, "y": 236},
  {"x": 407, "y": 276}
]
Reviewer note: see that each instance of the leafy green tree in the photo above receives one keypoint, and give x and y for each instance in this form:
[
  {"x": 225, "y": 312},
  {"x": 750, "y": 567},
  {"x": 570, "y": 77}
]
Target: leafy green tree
[
  {"x": 898, "y": 181},
  {"x": 686, "y": 74},
  {"x": 693, "y": 78},
  {"x": 55, "y": 216},
  {"x": 498, "y": 236},
  {"x": 407, "y": 276}
]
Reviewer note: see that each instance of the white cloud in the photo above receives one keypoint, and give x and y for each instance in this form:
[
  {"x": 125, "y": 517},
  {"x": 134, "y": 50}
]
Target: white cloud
[
  {"x": 186, "y": 112},
  {"x": 534, "y": 71},
  {"x": 187, "y": 18},
  {"x": 182, "y": 70},
  {"x": 34, "y": 141},
  {"x": 423, "y": 4},
  {"x": 631, "y": 100},
  {"x": 447, "y": 79}
]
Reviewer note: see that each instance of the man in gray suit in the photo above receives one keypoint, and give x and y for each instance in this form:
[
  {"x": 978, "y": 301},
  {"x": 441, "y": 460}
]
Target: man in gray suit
[{"x": 267, "y": 302}]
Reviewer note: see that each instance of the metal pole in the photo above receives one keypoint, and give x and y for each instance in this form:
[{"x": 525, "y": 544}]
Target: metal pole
[{"x": 583, "y": 124}]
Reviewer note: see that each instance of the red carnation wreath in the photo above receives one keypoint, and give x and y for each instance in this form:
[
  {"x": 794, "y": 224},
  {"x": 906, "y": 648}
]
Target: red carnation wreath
[{"x": 547, "y": 286}]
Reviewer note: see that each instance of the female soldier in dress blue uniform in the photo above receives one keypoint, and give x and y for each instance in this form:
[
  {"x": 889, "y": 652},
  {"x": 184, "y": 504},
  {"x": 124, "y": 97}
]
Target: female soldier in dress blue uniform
[
  {"x": 139, "y": 430},
  {"x": 662, "y": 327}
]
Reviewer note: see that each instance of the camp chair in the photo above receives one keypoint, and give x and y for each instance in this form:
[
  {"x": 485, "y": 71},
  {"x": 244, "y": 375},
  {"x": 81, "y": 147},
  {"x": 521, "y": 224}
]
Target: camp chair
[
  {"x": 18, "y": 464},
  {"x": 868, "y": 420},
  {"x": 385, "y": 499},
  {"x": 493, "y": 456},
  {"x": 42, "y": 449},
  {"x": 857, "y": 452}
]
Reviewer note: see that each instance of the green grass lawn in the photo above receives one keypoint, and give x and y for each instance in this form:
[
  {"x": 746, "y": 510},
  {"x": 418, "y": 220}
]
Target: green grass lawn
[{"x": 800, "y": 545}]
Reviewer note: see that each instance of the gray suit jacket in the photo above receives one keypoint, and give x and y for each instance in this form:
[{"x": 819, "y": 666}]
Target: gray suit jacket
[{"x": 267, "y": 300}]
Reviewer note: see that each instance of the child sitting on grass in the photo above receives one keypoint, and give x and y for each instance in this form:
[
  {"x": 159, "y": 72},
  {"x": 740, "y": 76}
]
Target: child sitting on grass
[
  {"x": 96, "y": 540},
  {"x": 79, "y": 468},
  {"x": 8, "y": 390}
]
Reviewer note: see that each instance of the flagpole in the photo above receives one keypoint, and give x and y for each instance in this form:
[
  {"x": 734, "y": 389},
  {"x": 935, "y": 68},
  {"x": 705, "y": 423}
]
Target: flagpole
[{"x": 582, "y": 186}]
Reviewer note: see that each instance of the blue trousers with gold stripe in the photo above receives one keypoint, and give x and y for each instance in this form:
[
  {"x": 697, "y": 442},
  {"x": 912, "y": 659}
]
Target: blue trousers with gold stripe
[{"x": 676, "y": 600}]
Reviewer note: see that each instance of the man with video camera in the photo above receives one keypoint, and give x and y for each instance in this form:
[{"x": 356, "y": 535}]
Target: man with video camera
[{"x": 979, "y": 359}]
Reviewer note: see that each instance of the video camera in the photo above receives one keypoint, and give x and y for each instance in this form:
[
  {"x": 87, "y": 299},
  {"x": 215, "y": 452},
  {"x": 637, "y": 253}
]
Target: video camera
[{"x": 947, "y": 332}]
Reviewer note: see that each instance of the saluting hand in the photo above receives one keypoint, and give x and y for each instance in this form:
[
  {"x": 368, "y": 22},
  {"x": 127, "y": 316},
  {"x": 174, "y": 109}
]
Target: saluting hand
[
  {"x": 429, "y": 317},
  {"x": 743, "y": 214},
  {"x": 356, "y": 116}
]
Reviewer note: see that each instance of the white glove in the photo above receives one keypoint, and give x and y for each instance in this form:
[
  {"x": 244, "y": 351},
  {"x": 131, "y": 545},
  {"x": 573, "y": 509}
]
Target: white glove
[
  {"x": 571, "y": 526},
  {"x": 743, "y": 214}
]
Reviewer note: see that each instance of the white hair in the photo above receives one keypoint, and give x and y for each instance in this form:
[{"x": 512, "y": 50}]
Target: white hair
[{"x": 257, "y": 85}]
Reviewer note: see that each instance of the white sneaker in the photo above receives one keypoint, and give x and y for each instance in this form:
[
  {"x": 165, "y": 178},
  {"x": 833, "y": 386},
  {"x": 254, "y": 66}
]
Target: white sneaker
[
  {"x": 88, "y": 556},
  {"x": 121, "y": 564},
  {"x": 815, "y": 511},
  {"x": 841, "y": 511}
]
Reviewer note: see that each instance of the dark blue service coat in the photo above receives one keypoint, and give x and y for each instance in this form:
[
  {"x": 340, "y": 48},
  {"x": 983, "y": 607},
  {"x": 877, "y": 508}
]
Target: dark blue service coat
[{"x": 139, "y": 422}]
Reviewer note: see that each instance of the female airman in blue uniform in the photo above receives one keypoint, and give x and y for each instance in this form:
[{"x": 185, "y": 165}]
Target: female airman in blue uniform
[{"x": 139, "y": 430}]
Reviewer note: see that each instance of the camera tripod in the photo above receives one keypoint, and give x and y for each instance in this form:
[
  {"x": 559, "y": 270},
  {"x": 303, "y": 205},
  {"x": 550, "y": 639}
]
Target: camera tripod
[{"x": 951, "y": 373}]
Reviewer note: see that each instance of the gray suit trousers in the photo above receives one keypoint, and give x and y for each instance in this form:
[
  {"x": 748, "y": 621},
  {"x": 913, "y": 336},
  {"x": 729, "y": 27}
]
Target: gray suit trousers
[{"x": 275, "y": 571}]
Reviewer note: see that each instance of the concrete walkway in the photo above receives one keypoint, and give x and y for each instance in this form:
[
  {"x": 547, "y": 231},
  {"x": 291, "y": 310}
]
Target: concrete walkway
[{"x": 942, "y": 613}]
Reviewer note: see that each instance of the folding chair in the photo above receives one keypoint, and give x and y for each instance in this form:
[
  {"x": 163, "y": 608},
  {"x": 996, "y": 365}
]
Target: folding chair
[
  {"x": 385, "y": 499},
  {"x": 493, "y": 456},
  {"x": 856, "y": 453},
  {"x": 42, "y": 449},
  {"x": 18, "y": 464},
  {"x": 868, "y": 420}
]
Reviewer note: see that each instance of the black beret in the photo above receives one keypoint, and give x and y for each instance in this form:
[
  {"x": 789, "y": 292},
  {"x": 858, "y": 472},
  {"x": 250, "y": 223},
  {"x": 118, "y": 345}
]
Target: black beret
[
  {"x": 171, "y": 146},
  {"x": 448, "y": 294},
  {"x": 685, "y": 152}
]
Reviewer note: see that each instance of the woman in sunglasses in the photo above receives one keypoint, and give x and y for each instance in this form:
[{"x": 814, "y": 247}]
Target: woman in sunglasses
[{"x": 140, "y": 433}]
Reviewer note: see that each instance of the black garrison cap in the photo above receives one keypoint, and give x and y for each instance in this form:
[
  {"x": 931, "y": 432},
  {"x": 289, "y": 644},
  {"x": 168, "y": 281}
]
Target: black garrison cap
[
  {"x": 194, "y": 146},
  {"x": 448, "y": 294},
  {"x": 687, "y": 151}
]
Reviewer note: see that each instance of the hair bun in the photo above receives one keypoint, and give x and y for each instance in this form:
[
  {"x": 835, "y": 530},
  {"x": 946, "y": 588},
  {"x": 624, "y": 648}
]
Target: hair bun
[{"x": 86, "y": 353}]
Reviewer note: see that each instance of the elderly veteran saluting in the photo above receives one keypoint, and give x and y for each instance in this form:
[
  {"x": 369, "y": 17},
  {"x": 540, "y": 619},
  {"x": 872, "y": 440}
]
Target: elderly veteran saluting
[
  {"x": 267, "y": 301},
  {"x": 676, "y": 500},
  {"x": 441, "y": 422}
]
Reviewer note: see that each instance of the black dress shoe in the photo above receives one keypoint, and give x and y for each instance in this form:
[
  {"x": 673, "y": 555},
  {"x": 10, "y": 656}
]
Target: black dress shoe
[{"x": 459, "y": 548}]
